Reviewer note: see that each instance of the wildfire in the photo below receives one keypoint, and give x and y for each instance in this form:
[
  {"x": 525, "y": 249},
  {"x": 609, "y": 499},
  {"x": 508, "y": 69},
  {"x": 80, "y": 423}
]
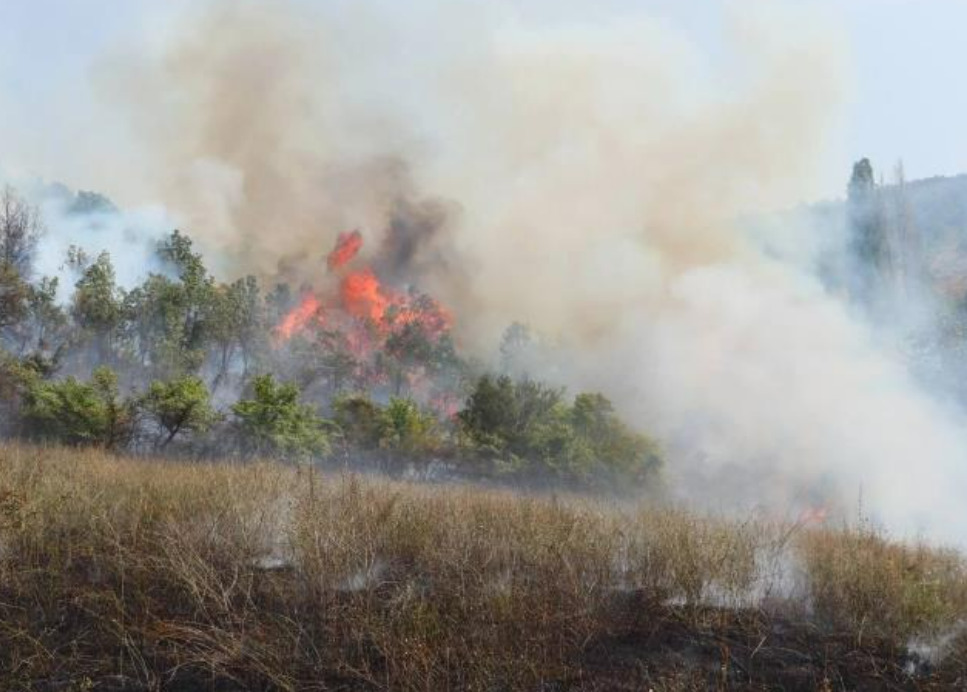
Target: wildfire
[
  {"x": 309, "y": 309},
  {"x": 348, "y": 246},
  {"x": 813, "y": 516},
  {"x": 364, "y": 304},
  {"x": 363, "y": 296},
  {"x": 391, "y": 335}
]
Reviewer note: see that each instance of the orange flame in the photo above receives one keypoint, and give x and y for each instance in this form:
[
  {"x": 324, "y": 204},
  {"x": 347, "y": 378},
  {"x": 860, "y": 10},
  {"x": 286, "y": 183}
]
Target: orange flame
[
  {"x": 374, "y": 310},
  {"x": 429, "y": 314},
  {"x": 308, "y": 309},
  {"x": 813, "y": 515},
  {"x": 347, "y": 246},
  {"x": 363, "y": 296}
]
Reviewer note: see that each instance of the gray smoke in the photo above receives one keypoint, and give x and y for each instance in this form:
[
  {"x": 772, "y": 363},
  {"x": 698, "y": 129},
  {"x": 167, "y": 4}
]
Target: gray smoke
[{"x": 586, "y": 178}]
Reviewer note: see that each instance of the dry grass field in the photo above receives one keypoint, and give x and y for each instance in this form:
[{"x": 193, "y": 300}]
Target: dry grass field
[{"x": 119, "y": 574}]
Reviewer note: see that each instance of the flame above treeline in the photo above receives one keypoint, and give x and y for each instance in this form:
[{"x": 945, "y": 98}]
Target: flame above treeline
[
  {"x": 364, "y": 307},
  {"x": 348, "y": 246}
]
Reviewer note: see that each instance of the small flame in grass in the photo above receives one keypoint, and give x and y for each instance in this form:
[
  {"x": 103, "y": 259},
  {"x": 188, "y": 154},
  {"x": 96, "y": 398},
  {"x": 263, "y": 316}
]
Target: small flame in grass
[
  {"x": 348, "y": 246},
  {"x": 306, "y": 311},
  {"x": 813, "y": 516}
]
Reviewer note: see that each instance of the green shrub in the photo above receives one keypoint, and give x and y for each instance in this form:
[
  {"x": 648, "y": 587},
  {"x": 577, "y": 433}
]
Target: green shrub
[
  {"x": 359, "y": 421},
  {"x": 274, "y": 423},
  {"x": 527, "y": 428},
  {"x": 178, "y": 407},
  {"x": 408, "y": 431},
  {"x": 79, "y": 413}
]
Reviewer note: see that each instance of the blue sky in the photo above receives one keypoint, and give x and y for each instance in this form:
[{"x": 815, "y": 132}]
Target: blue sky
[
  {"x": 910, "y": 99},
  {"x": 906, "y": 56},
  {"x": 907, "y": 100}
]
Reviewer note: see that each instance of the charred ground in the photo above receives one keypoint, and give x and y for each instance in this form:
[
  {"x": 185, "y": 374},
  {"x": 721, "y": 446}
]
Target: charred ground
[{"x": 154, "y": 575}]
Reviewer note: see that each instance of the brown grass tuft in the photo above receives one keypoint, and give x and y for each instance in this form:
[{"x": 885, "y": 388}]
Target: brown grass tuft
[{"x": 124, "y": 574}]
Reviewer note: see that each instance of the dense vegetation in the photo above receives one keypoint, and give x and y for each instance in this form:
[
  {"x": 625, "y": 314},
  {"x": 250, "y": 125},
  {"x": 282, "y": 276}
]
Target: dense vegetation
[
  {"x": 184, "y": 365},
  {"x": 131, "y": 574}
]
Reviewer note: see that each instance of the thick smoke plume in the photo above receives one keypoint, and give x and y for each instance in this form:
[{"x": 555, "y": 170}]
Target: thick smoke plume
[
  {"x": 585, "y": 178},
  {"x": 488, "y": 157}
]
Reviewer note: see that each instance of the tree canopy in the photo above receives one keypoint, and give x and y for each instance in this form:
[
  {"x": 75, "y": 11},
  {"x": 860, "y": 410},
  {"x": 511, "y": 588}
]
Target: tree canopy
[{"x": 183, "y": 364}]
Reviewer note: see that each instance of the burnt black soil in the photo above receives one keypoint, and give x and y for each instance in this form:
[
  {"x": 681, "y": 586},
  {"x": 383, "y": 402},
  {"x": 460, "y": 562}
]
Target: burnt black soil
[{"x": 712, "y": 649}]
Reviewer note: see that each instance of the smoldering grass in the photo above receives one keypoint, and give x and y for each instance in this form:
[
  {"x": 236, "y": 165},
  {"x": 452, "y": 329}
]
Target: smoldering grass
[{"x": 273, "y": 577}]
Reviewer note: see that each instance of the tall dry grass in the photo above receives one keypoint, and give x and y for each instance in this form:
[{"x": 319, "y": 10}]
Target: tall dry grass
[{"x": 127, "y": 574}]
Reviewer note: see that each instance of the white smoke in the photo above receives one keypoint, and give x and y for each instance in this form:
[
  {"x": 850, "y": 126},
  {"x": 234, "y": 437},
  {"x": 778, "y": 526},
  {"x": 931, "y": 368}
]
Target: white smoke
[
  {"x": 599, "y": 168},
  {"x": 91, "y": 223}
]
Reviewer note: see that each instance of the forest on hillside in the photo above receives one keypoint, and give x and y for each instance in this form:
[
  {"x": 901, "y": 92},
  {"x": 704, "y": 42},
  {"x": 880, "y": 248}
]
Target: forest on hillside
[
  {"x": 186, "y": 366},
  {"x": 367, "y": 371}
]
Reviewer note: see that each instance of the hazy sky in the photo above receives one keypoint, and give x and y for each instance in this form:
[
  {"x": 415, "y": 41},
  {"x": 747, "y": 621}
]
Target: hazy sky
[
  {"x": 909, "y": 99},
  {"x": 905, "y": 57}
]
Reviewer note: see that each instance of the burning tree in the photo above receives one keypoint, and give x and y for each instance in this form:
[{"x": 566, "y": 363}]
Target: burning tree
[
  {"x": 393, "y": 338},
  {"x": 360, "y": 364}
]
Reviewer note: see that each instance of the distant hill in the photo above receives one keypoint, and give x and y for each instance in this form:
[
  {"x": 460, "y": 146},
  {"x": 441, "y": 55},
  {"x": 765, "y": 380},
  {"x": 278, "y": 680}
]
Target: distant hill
[
  {"x": 935, "y": 212},
  {"x": 939, "y": 206}
]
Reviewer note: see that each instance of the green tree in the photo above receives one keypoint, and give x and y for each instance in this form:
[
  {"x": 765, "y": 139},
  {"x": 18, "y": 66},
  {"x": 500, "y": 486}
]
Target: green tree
[
  {"x": 359, "y": 421},
  {"x": 518, "y": 350},
  {"x": 399, "y": 430},
  {"x": 278, "y": 302},
  {"x": 193, "y": 296},
  {"x": 409, "y": 348},
  {"x": 16, "y": 377},
  {"x": 252, "y": 324},
  {"x": 153, "y": 328},
  {"x": 273, "y": 422},
  {"x": 178, "y": 407},
  {"x": 501, "y": 416},
  {"x": 45, "y": 327},
  {"x": 407, "y": 431},
  {"x": 867, "y": 226},
  {"x": 97, "y": 306},
  {"x": 235, "y": 326},
  {"x": 14, "y": 296},
  {"x": 79, "y": 413},
  {"x": 618, "y": 452},
  {"x": 169, "y": 320},
  {"x": 20, "y": 230},
  {"x": 319, "y": 354},
  {"x": 86, "y": 202},
  {"x": 527, "y": 428},
  {"x": 862, "y": 183}
]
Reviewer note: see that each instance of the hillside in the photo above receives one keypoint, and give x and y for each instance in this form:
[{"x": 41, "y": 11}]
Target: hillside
[
  {"x": 938, "y": 209},
  {"x": 933, "y": 211}
]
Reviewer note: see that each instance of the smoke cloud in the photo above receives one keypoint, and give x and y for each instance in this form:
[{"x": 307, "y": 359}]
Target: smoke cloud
[{"x": 586, "y": 178}]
